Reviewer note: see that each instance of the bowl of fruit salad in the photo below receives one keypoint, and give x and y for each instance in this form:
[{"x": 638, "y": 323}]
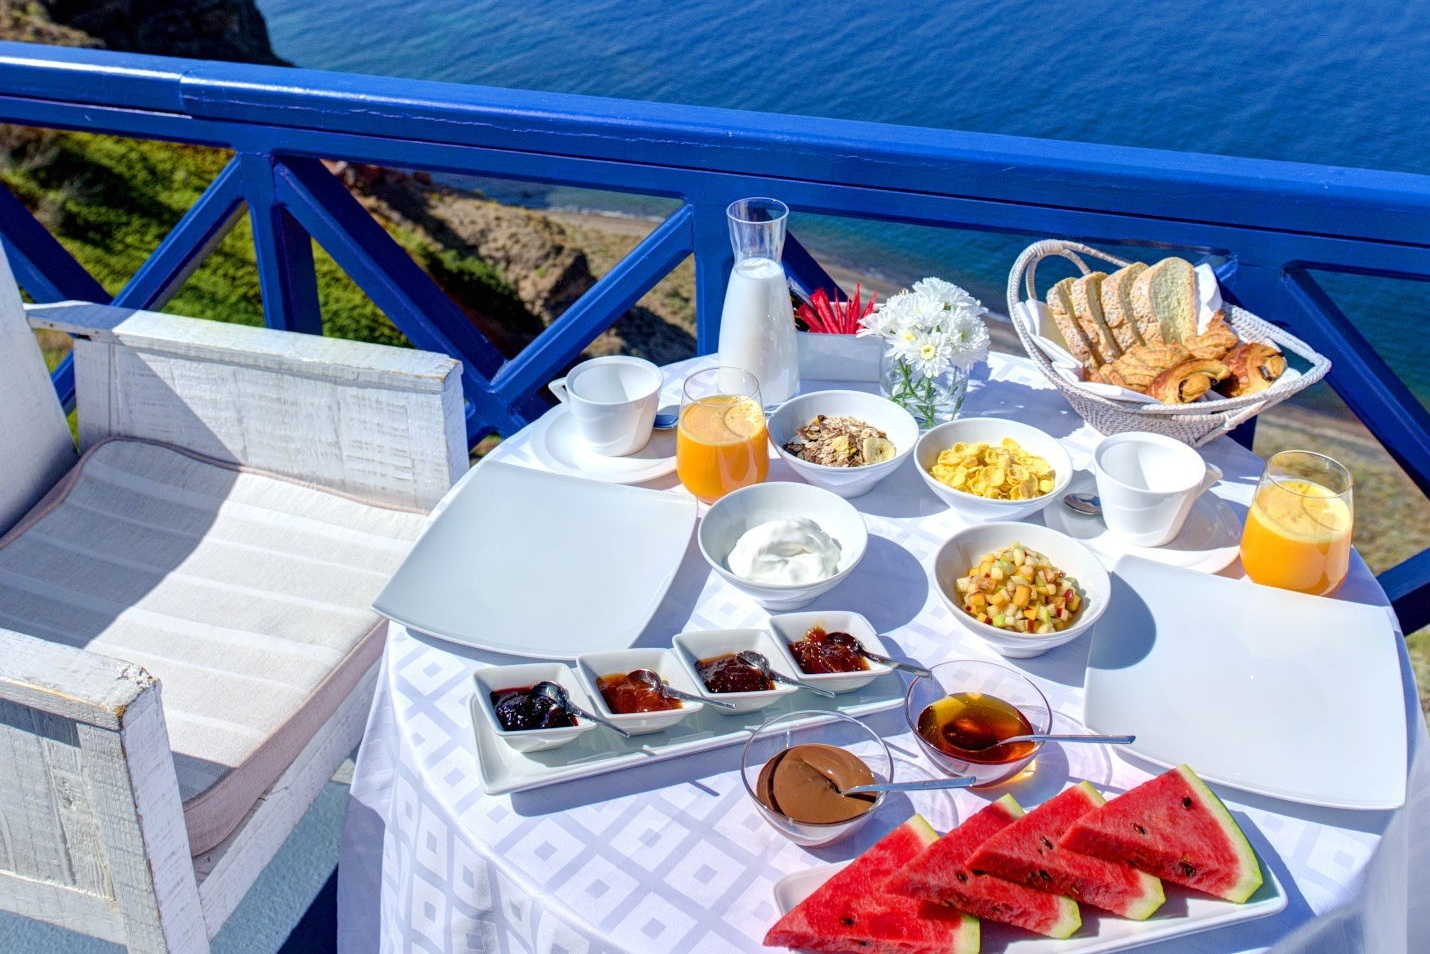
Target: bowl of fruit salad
[{"x": 1023, "y": 588}]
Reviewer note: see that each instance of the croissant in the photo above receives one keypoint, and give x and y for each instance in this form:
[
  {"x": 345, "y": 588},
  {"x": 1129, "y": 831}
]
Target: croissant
[
  {"x": 1253, "y": 367},
  {"x": 1216, "y": 341},
  {"x": 1139, "y": 365},
  {"x": 1188, "y": 381}
]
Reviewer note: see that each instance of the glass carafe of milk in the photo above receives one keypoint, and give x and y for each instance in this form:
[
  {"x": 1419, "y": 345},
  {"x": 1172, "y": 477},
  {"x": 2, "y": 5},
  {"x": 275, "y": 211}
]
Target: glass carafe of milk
[{"x": 757, "y": 323}]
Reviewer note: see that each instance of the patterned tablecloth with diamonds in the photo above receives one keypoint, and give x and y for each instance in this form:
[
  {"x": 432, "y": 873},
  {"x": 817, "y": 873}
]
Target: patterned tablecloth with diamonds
[{"x": 671, "y": 857}]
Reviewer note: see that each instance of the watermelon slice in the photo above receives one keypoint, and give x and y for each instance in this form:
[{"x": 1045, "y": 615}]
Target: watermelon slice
[
  {"x": 940, "y": 873},
  {"x": 1027, "y": 852},
  {"x": 1174, "y": 827},
  {"x": 851, "y": 913}
]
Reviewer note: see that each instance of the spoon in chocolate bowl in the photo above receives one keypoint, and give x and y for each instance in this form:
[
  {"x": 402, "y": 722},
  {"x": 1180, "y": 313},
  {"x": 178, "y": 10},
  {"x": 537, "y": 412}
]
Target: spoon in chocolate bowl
[
  {"x": 751, "y": 658},
  {"x": 652, "y": 680},
  {"x": 849, "y": 642},
  {"x": 557, "y": 694}
]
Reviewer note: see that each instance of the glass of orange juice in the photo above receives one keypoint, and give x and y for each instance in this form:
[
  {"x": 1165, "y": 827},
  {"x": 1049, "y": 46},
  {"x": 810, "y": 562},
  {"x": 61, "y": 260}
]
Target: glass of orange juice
[
  {"x": 1298, "y": 533},
  {"x": 720, "y": 442}
]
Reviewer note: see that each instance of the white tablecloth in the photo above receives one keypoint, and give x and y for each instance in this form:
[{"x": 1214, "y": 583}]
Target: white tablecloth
[{"x": 671, "y": 857}]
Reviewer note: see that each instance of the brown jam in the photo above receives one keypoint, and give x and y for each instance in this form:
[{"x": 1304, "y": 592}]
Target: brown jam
[
  {"x": 728, "y": 674},
  {"x": 624, "y": 696},
  {"x": 803, "y": 783},
  {"x": 818, "y": 651},
  {"x": 524, "y": 708},
  {"x": 972, "y": 725}
]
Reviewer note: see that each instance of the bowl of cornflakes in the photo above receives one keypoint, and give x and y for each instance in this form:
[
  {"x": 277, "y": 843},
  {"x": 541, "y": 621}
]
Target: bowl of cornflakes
[
  {"x": 989, "y": 468},
  {"x": 1022, "y": 588}
]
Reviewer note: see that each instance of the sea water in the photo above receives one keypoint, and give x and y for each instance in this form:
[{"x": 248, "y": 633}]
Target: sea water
[{"x": 1319, "y": 81}]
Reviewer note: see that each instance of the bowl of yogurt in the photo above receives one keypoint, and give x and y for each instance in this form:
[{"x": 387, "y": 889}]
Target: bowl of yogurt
[{"x": 783, "y": 543}]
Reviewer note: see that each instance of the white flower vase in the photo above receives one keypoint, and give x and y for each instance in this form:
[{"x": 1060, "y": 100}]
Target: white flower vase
[{"x": 931, "y": 400}]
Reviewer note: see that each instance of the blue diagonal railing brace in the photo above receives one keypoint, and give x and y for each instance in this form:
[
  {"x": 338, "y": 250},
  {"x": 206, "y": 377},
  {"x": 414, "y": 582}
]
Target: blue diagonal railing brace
[{"x": 1271, "y": 223}]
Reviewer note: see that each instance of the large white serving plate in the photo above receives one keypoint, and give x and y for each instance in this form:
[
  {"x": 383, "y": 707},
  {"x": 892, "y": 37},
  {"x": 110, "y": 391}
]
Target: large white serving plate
[
  {"x": 541, "y": 565},
  {"x": 1185, "y": 912},
  {"x": 601, "y": 750},
  {"x": 1293, "y": 696}
]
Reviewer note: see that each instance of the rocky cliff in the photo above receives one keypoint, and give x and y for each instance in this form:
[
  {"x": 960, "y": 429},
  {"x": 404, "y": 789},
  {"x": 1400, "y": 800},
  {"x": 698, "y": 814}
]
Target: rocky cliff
[{"x": 197, "y": 29}]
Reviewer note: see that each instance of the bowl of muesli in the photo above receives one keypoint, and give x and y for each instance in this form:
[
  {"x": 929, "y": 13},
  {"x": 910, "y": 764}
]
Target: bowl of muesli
[{"x": 843, "y": 441}]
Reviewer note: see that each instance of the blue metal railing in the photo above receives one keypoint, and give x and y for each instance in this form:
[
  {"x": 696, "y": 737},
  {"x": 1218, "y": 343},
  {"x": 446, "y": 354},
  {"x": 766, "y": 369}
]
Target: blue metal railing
[{"x": 1272, "y": 222}]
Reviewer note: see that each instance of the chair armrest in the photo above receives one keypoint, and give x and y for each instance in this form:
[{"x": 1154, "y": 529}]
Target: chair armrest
[
  {"x": 374, "y": 421},
  {"x": 74, "y": 684},
  {"x": 1407, "y": 586}
]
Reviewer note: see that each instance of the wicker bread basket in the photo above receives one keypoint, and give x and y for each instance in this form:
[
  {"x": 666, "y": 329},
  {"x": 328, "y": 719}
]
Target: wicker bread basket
[{"x": 1194, "y": 423}]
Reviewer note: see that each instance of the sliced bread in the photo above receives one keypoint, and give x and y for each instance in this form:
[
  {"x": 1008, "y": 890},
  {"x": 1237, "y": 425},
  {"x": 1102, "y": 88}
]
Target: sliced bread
[
  {"x": 1165, "y": 297},
  {"x": 1086, "y": 297},
  {"x": 1117, "y": 305},
  {"x": 1060, "y": 306}
]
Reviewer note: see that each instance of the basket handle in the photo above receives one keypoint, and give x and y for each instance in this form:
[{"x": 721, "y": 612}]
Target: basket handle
[{"x": 1072, "y": 251}]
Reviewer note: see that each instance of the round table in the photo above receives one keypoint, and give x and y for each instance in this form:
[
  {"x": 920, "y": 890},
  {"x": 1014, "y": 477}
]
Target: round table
[{"x": 671, "y": 857}]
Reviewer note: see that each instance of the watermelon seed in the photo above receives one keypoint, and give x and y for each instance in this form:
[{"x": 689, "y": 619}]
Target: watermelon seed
[
  {"x": 1044, "y": 875},
  {"x": 963, "y": 878},
  {"x": 847, "y": 922},
  {"x": 1047, "y": 842},
  {"x": 1187, "y": 802},
  {"x": 1139, "y": 829},
  {"x": 1186, "y": 868}
]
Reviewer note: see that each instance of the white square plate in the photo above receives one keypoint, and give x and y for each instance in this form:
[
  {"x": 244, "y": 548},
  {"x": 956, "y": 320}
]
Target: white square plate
[
  {"x": 1185, "y": 912},
  {"x": 537, "y": 564},
  {"x": 1288, "y": 695}
]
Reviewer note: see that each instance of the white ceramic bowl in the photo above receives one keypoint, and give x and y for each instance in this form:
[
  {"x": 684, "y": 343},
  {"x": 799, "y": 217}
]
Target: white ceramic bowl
[
  {"x": 696, "y": 645},
  {"x": 790, "y": 628},
  {"x": 898, "y": 424},
  {"x": 493, "y": 678},
  {"x": 991, "y": 430},
  {"x": 741, "y": 510},
  {"x": 962, "y": 551},
  {"x": 592, "y": 666}
]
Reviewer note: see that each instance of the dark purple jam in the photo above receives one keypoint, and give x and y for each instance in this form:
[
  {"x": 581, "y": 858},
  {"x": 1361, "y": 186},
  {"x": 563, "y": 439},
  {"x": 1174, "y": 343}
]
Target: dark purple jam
[
  {"x": 523, "y": 708},
  {"x": 728, "y": 674},
  {"x": 820, "y": 652}
]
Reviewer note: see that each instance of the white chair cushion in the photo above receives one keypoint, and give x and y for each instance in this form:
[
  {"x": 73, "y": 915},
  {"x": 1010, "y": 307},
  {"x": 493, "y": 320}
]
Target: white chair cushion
[{"x": 246, "y": 594}]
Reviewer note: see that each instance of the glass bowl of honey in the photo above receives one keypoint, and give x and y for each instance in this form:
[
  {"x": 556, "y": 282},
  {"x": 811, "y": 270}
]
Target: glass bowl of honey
[
  {"x": 796, "y": 766},
  {"x": 964, "y": 711}
]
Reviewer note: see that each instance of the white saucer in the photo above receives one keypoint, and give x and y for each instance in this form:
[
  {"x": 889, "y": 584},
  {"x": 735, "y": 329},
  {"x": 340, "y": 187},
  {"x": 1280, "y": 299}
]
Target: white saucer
[
  {"x": 1209, "y": 541},
  {"x": 558, "y": 445}
]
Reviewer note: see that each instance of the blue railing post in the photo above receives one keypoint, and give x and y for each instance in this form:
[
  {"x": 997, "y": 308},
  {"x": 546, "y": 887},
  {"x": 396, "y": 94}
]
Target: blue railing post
[
  {"x": 286, "y": 274},
  {"x": 713, "y": 260}
]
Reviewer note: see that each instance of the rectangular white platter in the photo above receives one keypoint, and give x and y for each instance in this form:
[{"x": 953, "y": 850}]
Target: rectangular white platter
[
  {"x": 1288, "y": 695},
  {"x": 504, "y": 770},
  {"x": 1185, "y": 912}
]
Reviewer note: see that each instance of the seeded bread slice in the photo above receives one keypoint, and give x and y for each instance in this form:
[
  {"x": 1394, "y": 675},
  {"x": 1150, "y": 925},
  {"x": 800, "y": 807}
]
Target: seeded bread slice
[
  {"x": 1060, "y": 306},
  {"x": 1087, "y": 309},
  {"x": 1165, "y": 296},
  {"x": 1117, "y": 305}
]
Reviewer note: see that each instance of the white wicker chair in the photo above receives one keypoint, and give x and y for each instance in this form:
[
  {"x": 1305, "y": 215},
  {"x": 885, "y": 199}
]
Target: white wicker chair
[{"x": 95, "y": 824}]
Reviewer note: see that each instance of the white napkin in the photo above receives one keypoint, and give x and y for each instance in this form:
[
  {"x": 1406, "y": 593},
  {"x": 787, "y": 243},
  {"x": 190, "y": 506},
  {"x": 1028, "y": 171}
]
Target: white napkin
[{"x": 1040, "y": 326}]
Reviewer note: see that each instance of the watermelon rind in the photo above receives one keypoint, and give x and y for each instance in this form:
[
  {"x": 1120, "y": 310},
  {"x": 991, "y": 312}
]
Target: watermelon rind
[
  {"x": 852, "y": 913},
  {"x": 1175, "y": 827},
  {"x": 1027, "y": 852},
  {"x": 940, "y": 874}
]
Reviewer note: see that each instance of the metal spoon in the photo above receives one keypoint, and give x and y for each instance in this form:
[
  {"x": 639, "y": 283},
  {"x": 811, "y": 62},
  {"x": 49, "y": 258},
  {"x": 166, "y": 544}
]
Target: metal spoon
[
  {"x": 667, "y": 417},
  {"x": 1086, "y": 504},
  {"x": 751, "y": 658},
  {"x": 557, "y": 694},
  {"x": 651, "y": 679},
  {"x": 847, "y": 641},
  {"x": 1109, "y": 739},
  {"x": 923, "y": 785}
]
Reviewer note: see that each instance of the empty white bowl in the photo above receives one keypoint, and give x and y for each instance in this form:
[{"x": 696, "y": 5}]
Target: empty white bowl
[
  {"x": 696, "y": 645},
  {"x": 896, "y": 423},
  {"x": 962, "y": 551},
  {"x": 592, "y": 666},
  {"x": 494, "y": 678},
  {"x": 733, "y": 514},
  {"x": 791, "y": 627},
  {"x": 992, "y": 430}
]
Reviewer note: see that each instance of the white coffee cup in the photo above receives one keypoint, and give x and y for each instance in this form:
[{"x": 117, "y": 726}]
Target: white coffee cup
[
  {"x": 1147, "y": 484},
  {"x": 613, "y": 400}
]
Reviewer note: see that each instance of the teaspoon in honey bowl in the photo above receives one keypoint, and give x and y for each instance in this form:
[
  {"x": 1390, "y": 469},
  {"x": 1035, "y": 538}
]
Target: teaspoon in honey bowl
[
  {"x": 557, "y": 694},
  {"x": 752, "y": 658},
  {"x": 1105, "y": 739},
  {"x": 652, "y": 680}
]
